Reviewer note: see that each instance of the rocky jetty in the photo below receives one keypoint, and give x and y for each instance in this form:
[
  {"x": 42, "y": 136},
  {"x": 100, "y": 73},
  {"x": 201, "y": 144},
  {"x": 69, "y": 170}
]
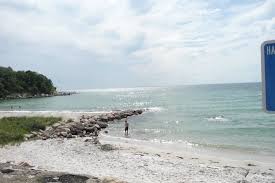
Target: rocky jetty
[
  {"x": 85, "y": 126},
  {"x": 64, "y": 93}
]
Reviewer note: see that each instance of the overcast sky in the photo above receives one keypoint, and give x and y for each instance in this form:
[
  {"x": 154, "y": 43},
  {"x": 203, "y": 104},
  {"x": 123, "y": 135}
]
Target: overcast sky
[{"x": 126, "y": 43}]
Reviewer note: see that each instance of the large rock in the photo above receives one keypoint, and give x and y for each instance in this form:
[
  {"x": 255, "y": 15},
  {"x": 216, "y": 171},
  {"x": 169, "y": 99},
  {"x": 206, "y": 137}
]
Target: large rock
[
  {"x": 104, "y": 118},
  {"x": 6, "y": 170},
  {"x": 56, "y": 125},
  {"x": 102, "y": 124}
]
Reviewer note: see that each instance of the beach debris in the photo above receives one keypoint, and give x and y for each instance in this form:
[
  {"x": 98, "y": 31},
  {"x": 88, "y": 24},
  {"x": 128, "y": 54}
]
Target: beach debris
[
  {"x": 86, "y": 126},
  {"x": 180, "y": 157}
]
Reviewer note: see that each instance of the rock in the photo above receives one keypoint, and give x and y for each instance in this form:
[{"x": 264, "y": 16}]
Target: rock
[
  {"x": 70, "y": 120},
  {"x": 56, "y": 125},
  {"x": 90, "y": 129},
  {"x": 88, "y": 140},
  {"x": 111, "y": 180},
  {"x": 6, "y": 170},
  {"x": 67, "y": 129},
  {"x": 102, "y": 125},
  {"x": 107, "y": 147},
  {"x": 117, "y": 117},
  {"x": 158, "y": 155},
  {"x": 104, "y": 119},
  {"x": 97, "y": 126},
  {"x": 25, "y": 164},
  {"x": 49, "y": 128},
  {"x": 110, "y": 117},
  {"x": 64, "y": 134},
  {"x": 28, "y": 136},
  {"x": 123, "y": 115},
  {"x": 34, "y": 133},
  {"x": 92, "y": 121},
  {"x": 65, "y": 178}
]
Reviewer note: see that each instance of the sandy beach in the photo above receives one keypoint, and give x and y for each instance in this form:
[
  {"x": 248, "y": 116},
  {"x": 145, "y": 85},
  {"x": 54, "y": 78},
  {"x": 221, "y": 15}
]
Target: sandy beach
[{"x": 132, "y": 161}]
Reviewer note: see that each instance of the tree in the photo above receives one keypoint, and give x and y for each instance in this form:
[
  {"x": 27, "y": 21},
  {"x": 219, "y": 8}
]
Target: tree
[{"x": 24, "y": 82}]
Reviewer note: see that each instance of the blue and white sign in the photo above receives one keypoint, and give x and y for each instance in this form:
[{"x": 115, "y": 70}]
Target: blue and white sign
[{"x": 268, "y": 75}]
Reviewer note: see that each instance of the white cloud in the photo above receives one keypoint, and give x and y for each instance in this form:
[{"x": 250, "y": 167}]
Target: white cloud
[{"x": 172, "y": 42}]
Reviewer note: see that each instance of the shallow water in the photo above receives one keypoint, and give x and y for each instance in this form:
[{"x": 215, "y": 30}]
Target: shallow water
[{"x": 225, "y": 116}]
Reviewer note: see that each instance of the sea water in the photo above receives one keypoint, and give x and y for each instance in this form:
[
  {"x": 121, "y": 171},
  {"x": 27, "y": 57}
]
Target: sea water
[{"x": 221, "y": 116}]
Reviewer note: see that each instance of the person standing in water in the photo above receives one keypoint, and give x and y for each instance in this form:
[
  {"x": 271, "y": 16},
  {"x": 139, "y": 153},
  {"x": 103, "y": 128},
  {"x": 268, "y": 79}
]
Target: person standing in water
[{"x": 126, "y": 126}]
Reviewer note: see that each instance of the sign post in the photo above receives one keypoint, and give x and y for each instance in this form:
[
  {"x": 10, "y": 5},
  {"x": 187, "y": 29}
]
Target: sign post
[{"x": 268, "y": 75}]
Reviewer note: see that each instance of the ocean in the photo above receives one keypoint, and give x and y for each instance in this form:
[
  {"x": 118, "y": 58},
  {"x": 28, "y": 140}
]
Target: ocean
[{"x": 227, "y": 117}]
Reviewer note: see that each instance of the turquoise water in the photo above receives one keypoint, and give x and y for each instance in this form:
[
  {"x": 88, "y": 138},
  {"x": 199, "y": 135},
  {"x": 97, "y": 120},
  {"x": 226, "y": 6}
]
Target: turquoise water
[{"x": 226, "y": 116}]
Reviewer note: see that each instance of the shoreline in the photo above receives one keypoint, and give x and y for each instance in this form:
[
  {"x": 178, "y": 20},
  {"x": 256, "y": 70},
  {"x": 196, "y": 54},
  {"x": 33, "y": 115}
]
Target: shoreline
[
  {"x": 29, "y": 96},
  {"x": 80, "y": 156},
  {"x": 130, "y": 162}
]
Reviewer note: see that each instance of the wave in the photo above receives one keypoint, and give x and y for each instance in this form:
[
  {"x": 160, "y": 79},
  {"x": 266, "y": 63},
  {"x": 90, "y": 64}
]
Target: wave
[
  {"x": 154, "y": 109},
  {"x": 152, "y": 130},
  {"x": 217, "y": 119},
  {"x": 150, "y": 142}
]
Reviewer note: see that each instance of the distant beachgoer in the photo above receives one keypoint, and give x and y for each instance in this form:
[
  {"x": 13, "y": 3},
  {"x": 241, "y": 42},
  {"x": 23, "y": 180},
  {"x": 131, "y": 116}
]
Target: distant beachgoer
[
  {"x": 11, "y": 107},
  {"x": 96, "y": 132},
  {"x": 126, "y": 127}
]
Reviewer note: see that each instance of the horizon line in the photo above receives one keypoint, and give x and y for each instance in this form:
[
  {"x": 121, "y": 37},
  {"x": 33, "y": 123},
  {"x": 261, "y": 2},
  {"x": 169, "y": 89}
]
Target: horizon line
[{"x": 159, "y": 86}]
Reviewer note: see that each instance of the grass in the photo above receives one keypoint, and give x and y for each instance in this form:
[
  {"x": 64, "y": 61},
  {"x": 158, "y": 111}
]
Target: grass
[{"x": 13, "y": 129}]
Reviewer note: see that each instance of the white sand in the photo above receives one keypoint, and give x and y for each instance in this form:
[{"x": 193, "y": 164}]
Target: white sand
[
  {"x": 134, "y": 162},
  {"x": 131, "y": 162}
]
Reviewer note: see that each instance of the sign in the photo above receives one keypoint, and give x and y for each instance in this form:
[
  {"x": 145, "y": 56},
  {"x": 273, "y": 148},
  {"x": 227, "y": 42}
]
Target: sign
[{"x": 268, "y": 75}]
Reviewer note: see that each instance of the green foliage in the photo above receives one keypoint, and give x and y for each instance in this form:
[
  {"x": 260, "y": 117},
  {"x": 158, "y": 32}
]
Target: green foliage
[
  {"x": 24, "y": 82},
  {"x": 13, "y": 129}
]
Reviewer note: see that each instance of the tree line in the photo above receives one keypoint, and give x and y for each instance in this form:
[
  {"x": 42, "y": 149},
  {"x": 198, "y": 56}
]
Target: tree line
[{"x": 24, "y": 82}]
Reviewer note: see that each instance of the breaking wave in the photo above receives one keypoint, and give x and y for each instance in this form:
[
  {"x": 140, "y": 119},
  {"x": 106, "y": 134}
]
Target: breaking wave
[{"x": 217, "y": 119}]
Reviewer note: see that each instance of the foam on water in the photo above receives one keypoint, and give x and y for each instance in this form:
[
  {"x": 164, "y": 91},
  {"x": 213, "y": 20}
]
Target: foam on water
[
  {"x": 217, "y": 119},
  {"x": 152, "y": 142},
  {"x": 154, "y": 109}
]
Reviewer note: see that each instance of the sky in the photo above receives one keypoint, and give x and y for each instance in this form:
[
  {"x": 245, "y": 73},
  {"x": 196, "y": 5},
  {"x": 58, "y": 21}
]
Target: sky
[{"x": 128, "y": 43}]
